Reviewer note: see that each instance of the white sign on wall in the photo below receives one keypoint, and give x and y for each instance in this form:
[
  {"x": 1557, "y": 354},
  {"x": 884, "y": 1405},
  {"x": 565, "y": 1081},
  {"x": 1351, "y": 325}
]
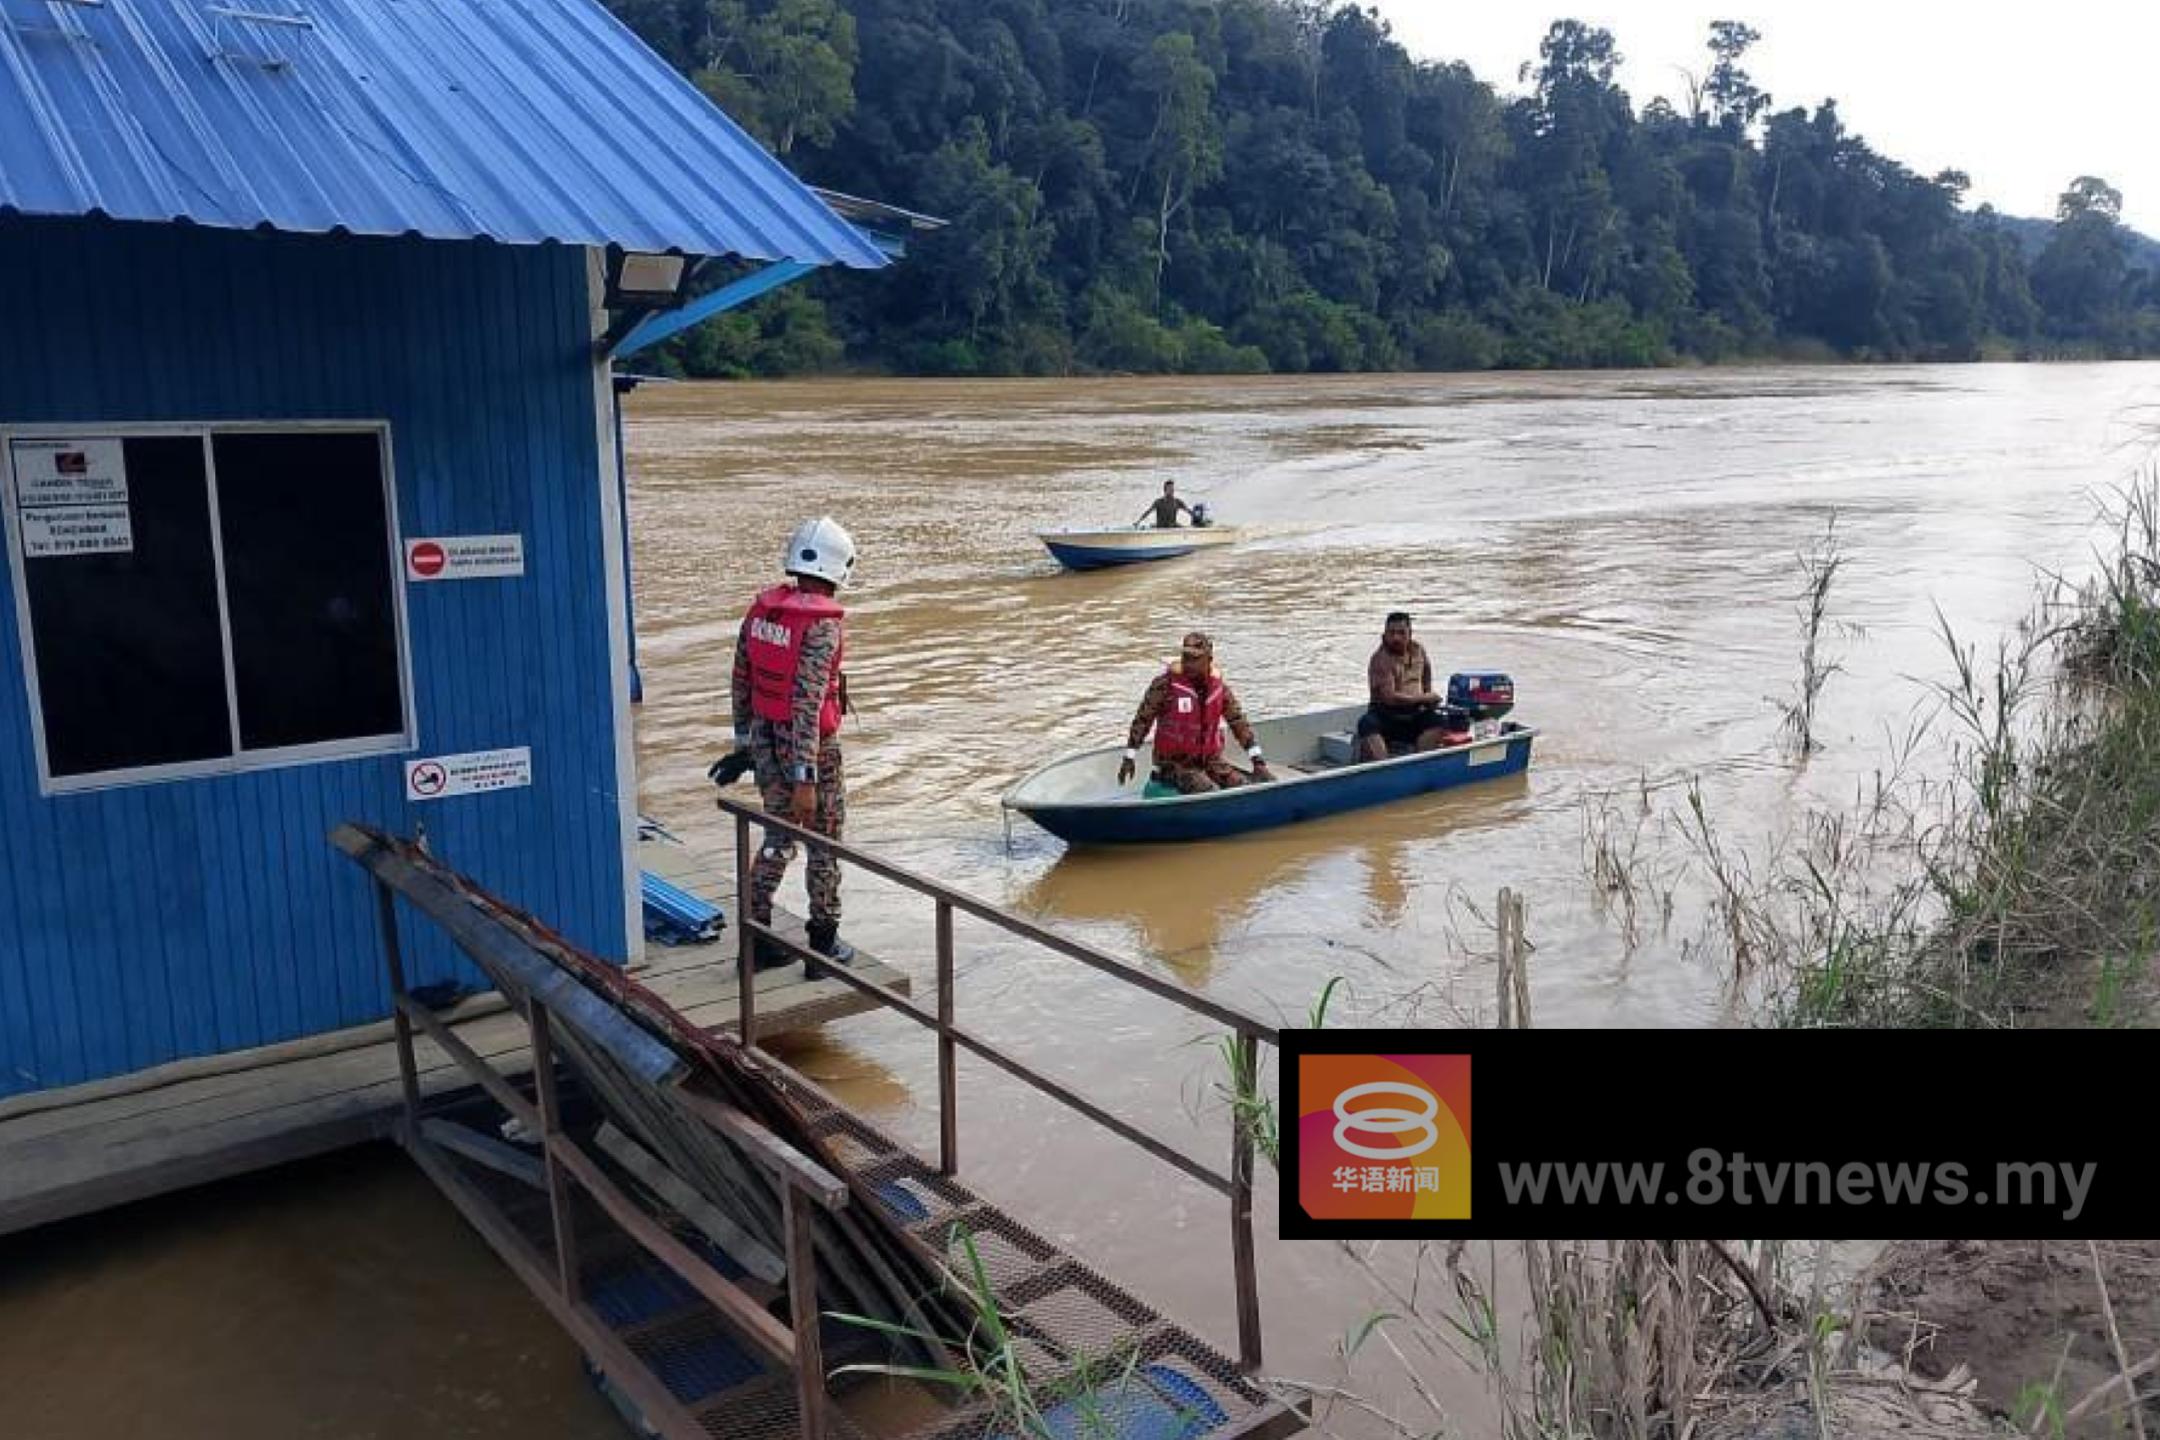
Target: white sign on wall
[
  {"x": 77, "y": 530},
  {"x": 465, "y": 557},
  {"x": 72, "y": 497},
  {"x": 470, "y": 774}
]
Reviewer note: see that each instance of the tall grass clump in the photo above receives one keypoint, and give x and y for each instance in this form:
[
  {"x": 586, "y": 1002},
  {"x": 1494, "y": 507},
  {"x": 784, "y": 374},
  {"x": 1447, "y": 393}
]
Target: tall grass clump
[
  {"x": 1027, "y": 1392},
  {"x": 2023, "y": 888},
  {"x": 2060, "y": 883},
  {"x": 2014, "y": 880},
  {"x": 1819, "y": 566}
]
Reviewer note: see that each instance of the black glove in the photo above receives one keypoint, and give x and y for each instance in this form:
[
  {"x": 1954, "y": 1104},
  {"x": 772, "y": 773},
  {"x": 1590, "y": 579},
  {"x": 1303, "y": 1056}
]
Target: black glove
[{"x": 729, "y": 768}]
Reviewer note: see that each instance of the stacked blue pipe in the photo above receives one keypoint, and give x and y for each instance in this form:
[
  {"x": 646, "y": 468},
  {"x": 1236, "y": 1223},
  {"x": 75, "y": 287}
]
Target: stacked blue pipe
[{"x": 674, "y": 916}]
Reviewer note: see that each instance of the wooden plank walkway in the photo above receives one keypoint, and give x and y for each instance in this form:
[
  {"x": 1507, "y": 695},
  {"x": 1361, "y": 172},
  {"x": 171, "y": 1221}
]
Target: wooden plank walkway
[{"x": 91, "y": 1147}]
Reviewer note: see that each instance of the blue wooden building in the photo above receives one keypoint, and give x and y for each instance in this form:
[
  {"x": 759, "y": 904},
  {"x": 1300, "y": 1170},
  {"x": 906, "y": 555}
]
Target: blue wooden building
[{"x": 309, "y": 484}]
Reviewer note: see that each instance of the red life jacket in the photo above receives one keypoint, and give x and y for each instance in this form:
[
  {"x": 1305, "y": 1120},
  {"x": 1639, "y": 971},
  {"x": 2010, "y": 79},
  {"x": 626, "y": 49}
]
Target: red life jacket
[
  {"x": 776, "y": 624},
  {"x": 1190, "y": 726}
]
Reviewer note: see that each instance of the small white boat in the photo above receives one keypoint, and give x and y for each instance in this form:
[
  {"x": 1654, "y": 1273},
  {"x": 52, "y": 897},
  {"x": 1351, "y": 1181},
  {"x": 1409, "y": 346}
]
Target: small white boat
[{"x": 1098, "y": 549}]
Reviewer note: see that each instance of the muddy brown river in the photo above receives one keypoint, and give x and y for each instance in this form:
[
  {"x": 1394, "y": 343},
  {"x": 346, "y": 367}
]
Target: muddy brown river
[{"x": 1623, "y": 545}]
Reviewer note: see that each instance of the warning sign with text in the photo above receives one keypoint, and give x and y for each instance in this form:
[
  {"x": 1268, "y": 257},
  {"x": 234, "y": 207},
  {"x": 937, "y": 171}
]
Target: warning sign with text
[
  {"x": 465, "y": 557},
  {"x": 71, "y": 497},
  {"x": 471, "y": 774},
  {"x": 77, "y": 530}
]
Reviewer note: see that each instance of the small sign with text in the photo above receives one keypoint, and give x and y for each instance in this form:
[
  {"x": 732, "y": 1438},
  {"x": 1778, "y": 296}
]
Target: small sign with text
[
  {"x": 465, "y": 557},
  {"x": 471, "y": 774}
]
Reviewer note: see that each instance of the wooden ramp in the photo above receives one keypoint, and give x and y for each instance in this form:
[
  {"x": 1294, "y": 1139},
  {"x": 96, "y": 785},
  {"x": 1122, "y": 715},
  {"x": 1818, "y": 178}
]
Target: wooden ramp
[{"x": 91, "y": 1147}]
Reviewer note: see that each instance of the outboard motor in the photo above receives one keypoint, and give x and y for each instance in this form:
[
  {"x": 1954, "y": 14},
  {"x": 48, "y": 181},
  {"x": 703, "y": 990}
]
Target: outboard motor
[
  {"x": 1485, "y": 695},
  {"x": 1200, "y": 516}
]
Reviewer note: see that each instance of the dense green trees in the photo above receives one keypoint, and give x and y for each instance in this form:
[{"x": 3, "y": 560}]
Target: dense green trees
[{"x": 1239, "y": 185}]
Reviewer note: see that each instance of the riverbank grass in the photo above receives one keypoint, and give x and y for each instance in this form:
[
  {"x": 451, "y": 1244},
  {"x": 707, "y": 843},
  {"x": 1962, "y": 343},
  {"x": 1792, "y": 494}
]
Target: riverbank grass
[{"x": 2033, "y": 896}]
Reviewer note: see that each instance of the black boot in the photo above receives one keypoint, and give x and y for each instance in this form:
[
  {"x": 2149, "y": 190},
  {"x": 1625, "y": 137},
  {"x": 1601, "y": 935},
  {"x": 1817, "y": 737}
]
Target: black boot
[
  {"x": 765, "y": 955},
  {"x": 825, "y": 939}
]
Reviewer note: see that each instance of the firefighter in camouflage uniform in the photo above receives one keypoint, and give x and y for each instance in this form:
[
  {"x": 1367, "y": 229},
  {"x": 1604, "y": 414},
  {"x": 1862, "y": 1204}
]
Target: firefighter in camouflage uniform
[{"x": 789, "y": 695}]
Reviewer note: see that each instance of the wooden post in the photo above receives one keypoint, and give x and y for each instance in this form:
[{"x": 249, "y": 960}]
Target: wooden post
[
  {"x": 803, "y": 1314},
  {"x": 746, "y": 943},
  {"x": 1505, "y": 958},
  {"x": 1522, "y": 964},
  {"x": 394, "y": 957},
  {"x": 1244, "y": 1083},
  {"x": 948, "y": 1053},
  {"x": 560, "y": 1195},
  {"x": 1514, "y": 968}
]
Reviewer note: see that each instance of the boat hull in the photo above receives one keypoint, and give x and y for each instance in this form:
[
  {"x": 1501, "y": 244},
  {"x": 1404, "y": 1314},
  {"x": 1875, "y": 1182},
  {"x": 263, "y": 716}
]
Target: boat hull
[
  {"x": 1135, "y": 820},
  {"x": 1101, "y": 549}
]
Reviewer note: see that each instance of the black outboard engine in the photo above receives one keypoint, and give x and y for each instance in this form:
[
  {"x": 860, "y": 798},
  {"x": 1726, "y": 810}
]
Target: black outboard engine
[
  {"x": 1200, "y": 517},
  {"x": 1482, "y": 694}
]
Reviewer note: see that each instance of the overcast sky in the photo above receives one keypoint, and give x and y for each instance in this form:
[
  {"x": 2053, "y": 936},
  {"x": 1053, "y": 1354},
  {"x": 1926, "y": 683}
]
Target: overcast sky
[{"x": 2022, "y": 97}]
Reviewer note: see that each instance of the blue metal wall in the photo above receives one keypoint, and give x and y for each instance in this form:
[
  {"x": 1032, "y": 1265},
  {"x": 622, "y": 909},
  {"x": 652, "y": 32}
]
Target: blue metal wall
[{"x": 145, "y": 924}]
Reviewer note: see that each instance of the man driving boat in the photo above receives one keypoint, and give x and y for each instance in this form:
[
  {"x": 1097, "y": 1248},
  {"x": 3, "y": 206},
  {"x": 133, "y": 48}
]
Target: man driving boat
[{"x": 1404, "y": 710}]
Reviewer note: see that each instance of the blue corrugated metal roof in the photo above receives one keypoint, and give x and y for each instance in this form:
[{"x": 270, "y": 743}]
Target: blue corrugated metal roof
[{"x": 518, "y": 120}]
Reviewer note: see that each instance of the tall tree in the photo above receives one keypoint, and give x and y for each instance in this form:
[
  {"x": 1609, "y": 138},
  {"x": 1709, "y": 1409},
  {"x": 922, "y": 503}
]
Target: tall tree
[
  {"x": 1733, "y": 100},
  {"x": 2078, "y": 279},
  {"x": 1183, "y": 148},
  {"x": 784, "y": 68}
]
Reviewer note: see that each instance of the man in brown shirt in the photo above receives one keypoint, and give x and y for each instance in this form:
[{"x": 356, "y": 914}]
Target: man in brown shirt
[
  {"x": 1187, "y": 707},
  {"x": 1165, "y": 508},
  {"x": 1404, "y": 709}
]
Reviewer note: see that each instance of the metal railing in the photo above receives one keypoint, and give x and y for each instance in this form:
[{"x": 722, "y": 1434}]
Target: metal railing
[
  {"x": 565, "y": 1168},
  {"x": 1247, "y": 1033}
]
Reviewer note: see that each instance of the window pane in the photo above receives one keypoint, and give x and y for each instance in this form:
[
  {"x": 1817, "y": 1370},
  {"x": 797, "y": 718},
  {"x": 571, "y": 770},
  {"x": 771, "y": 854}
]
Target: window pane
[
  {"x": 309, "y": 587},
  {"x": 130, "y": 663}
]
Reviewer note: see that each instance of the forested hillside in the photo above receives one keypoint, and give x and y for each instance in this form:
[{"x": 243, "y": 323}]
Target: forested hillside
[{"x": 1248, "y": 185}]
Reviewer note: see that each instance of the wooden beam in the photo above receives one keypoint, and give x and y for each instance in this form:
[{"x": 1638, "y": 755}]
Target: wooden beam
[
  {"x": 803, "y": 1315},
  {"x": 486, "y": 1076},
  {"x": 741, "y": 1246},
  {"x": 784, "y": 1160},
  {"x": 1244, "y": 1082},
  {"x": 742, "y": 1311},
  {"x": 745, "y": 942},
  {"x": 497, "y": 1155},
  {"x": 562, "y": 1200},
  {"x": 948, "y": 1057},
  {"x": 652, "y": 1398},
  {"x": 494, "y": 947},
  {"x": 401, "y": 1027}
]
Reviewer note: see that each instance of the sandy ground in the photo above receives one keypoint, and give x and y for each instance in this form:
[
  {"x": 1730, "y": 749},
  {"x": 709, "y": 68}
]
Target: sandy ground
[{"x": 2024, "y": 1317}]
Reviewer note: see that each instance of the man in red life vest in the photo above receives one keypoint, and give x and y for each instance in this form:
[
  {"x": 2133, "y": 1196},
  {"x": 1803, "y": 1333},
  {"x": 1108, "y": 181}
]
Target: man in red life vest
[
  {"x": 1187, "y": 706},
  {"x": 788, "y": 695}
]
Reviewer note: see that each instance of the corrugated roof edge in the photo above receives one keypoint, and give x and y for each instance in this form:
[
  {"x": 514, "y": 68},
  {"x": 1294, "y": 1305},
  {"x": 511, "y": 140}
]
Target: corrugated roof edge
[{"x": 788, "y": 201}]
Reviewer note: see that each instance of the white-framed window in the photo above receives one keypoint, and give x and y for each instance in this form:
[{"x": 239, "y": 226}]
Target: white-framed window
[{"x": 205, "y": 599}]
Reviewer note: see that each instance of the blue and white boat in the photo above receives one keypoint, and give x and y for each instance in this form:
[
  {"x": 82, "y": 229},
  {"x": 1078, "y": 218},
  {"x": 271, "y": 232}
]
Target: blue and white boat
[
  {"x": 1318, "y": 772},
  {"x": 1099, "y": 549}
]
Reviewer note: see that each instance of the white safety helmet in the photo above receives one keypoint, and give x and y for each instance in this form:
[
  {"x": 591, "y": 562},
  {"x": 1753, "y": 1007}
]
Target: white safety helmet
[{"x": 822, "y": 549}]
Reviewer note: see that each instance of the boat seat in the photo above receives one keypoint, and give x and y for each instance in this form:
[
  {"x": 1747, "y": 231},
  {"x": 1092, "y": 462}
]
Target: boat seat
[
  {"x": 1339, "y": 747},
  {"x": 1156, "y": 790}
]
